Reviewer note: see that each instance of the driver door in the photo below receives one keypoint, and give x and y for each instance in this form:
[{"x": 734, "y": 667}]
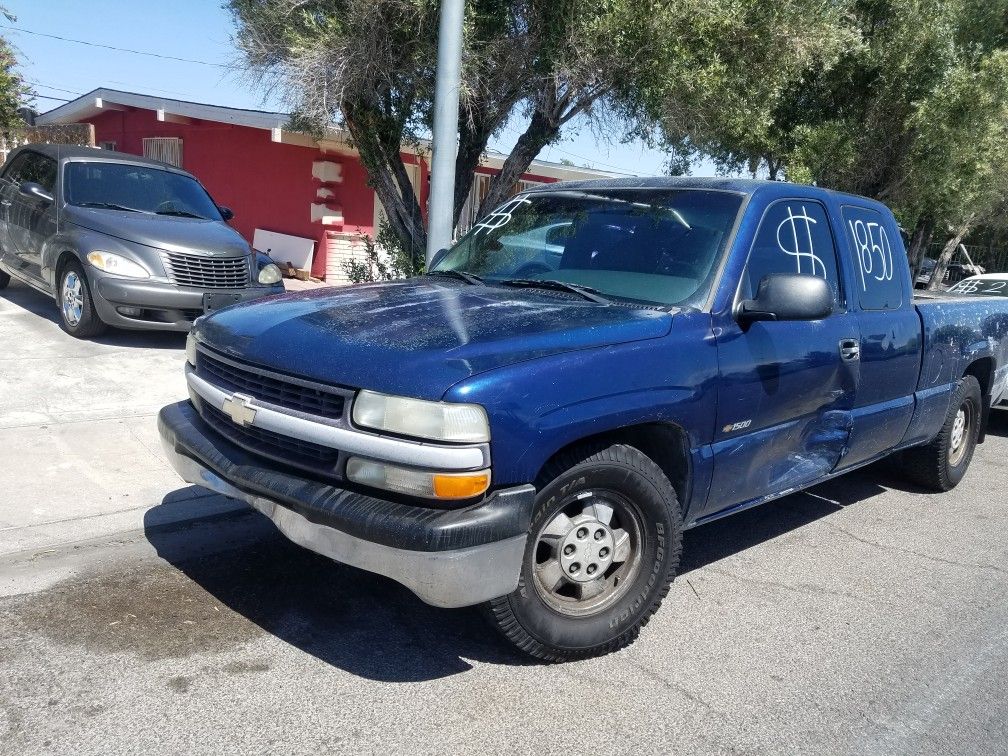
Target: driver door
[{"x": 786, "y": 389}]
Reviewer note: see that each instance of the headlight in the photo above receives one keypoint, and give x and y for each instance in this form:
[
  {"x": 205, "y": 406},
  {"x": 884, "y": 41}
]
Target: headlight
[
  {"x": 269, "y": 275},
  {"x": 190, "y": 350},
  {"x": 439, "y": 421},
  {"x": 430, "y": 485},
  {"x": 117, "y": 264}
]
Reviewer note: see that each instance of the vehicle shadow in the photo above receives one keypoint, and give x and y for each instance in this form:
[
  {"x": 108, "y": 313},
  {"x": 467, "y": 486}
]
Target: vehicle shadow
[
  {"x": 375, "y": 628},
  {"x": 998, "y": 424},
  {"x": 43, "y": 306}
]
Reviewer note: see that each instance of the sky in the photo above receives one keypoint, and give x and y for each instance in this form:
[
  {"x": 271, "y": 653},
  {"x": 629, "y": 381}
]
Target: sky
[{"x": 200, "y": 30}]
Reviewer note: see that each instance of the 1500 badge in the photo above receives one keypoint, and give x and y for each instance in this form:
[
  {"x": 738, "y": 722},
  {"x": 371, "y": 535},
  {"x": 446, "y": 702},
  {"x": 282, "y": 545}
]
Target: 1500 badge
[{"x": 737, "y": 426}]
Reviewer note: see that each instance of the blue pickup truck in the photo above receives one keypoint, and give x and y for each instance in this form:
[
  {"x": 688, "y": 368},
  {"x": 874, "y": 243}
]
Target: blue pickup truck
[{"x": 532, "y": 430}]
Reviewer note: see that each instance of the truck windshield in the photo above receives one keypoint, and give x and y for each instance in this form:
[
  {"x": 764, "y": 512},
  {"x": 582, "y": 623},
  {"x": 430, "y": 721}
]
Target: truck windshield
[
  {"x": 654, "y": 246},
  {"x": 136, "y": 188}
]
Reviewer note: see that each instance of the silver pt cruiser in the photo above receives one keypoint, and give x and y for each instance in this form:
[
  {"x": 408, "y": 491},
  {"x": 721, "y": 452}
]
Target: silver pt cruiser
[{"x": 120, "y": 240}]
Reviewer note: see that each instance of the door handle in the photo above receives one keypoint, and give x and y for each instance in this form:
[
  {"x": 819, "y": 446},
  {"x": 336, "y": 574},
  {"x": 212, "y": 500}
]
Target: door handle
[{"x": 850, "y": 350}]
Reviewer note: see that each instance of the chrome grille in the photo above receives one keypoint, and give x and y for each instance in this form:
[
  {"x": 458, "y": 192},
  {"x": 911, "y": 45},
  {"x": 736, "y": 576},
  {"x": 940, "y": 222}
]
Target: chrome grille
[
  {"x": 231, "y": 376},
  {"x": 206, "y": 272}
]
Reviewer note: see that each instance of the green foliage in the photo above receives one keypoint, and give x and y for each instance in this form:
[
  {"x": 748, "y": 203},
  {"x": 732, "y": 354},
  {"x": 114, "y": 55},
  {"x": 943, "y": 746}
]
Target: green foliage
[
  {"x": 14, "y": 92},
  {"x": 385, "y": 259}
]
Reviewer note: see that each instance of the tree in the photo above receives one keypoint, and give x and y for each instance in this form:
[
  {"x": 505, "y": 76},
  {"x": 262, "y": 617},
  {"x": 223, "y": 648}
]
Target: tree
[
  {"x": 14, "y": 92},
  {"x": 368, "y": 65},
  {"x": 910, "y": 110}
]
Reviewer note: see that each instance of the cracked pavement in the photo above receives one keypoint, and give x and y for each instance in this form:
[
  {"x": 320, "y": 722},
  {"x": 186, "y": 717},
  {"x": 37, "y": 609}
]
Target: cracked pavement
[{"x": 863, "y": 616}]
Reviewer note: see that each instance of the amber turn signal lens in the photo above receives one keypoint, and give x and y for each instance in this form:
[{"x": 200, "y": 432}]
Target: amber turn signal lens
[{"x": 461, "y": 486}]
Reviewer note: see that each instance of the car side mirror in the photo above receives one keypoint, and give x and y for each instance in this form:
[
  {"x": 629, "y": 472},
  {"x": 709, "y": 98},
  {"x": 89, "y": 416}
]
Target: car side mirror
[
  {"x": 787, "y": 296},
  {"x": 226, "y": 212},
  {"x": 437, "y": 257},
  {"x": 35, "y": 191}
]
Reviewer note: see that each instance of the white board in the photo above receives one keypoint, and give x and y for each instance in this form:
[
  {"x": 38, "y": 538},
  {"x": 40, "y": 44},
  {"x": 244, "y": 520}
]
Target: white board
[{"x": 285, "y": 248}]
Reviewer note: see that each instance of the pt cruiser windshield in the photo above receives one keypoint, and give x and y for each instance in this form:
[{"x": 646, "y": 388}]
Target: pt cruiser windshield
[
  {"x": 137, "y": 188},
  {"x": 648, "y": 246}
]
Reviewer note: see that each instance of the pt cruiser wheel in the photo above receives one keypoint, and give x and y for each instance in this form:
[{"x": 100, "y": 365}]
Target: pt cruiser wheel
[
  {"x": 603, "y": 548},
  {"x": 77, "y": 314}
]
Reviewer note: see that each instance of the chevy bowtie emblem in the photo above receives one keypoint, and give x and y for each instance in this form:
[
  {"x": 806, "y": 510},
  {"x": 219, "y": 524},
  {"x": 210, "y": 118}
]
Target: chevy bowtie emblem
[{"x": 239, "y": 408}]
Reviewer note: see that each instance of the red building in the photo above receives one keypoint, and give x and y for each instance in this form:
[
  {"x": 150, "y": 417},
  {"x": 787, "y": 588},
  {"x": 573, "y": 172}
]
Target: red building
[{"x": 273, "y": 179}]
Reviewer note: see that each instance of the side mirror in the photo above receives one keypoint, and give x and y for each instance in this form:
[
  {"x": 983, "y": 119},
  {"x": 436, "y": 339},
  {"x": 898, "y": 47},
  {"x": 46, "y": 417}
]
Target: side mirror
[
  {"x": 787, "y": 297},
  {"x": 438, "y": 257},
  {"x": 226, "y": 212},
  {"x": 35, "y": 191}
]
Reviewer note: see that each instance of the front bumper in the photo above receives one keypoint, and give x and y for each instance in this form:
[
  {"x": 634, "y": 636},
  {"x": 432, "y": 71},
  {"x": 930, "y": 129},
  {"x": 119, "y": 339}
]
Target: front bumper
[
  {"x": 161, "y": 305},
  {"x": 449, "y": 558}
]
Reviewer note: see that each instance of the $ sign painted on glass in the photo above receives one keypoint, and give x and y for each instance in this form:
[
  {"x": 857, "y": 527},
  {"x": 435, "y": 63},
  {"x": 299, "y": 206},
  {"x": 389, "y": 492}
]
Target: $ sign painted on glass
[{"x": 792, "y": 241}]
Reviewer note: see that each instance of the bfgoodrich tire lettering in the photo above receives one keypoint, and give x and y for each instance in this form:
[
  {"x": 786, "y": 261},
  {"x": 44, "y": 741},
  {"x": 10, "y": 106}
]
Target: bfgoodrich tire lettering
[{"x": 639, "y": 542}]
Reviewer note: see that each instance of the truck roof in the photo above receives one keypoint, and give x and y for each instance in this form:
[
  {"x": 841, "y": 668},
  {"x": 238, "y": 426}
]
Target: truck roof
[{"x": 740, "y": 185}]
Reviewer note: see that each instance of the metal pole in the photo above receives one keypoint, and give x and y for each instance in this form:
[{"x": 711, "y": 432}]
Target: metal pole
[{"x": 441, "y": 218}]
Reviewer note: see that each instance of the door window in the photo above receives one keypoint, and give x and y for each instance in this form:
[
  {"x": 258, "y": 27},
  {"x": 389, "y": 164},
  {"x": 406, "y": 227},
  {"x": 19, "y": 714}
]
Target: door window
[
  {"x": 794, "y": 237},
  {"x": 37, "y": 168},
  {"x": 13, "y": 171},
  {"x": 879, "y": 286}
]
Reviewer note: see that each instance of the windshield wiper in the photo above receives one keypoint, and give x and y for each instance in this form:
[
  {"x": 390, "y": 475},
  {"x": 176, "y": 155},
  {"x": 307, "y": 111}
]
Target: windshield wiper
[
  {"x": 181, "y": 214},
  {"x": 469, "y": 278},
  {"x": 114, "y": 206},
  {"x": 587, "y": 292}
]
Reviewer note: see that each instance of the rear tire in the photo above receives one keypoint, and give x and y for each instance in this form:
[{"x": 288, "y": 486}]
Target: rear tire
[
  {"x": 602, "y": 551},
  {"x": 4, "y": 280},
  {"x": 73, "y": 294},
  {"x": 942, "y": 463}
]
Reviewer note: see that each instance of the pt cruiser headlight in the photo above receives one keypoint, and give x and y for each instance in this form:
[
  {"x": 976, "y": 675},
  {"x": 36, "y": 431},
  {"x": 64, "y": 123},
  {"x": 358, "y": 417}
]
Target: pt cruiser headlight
[
  {"x": 269, "y": 275},
  {"x": 438, "y": 421},
  {"x": 117, "y": 265}
]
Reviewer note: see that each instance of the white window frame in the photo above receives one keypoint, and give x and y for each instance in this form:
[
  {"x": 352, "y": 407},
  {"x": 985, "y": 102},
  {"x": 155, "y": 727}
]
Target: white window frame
[{"x": 165, "y": 149}]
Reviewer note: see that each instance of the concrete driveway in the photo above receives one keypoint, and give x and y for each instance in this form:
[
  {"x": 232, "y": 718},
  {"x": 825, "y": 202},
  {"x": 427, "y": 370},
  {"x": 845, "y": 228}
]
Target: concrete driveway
[{"x": 864, "y": 616}]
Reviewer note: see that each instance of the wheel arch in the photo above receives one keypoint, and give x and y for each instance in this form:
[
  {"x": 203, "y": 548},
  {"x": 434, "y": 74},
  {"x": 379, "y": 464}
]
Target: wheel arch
[
  {"x": 983, "y": 370},
  {"x": 665, "y": 443}
]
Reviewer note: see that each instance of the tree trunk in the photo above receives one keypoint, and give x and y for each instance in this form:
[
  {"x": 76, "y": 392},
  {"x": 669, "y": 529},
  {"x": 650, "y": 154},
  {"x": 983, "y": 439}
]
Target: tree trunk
[
  {"x": 541, "y": 131},
  {"x": 920, "y": 239},
  {"x": 390, "y": 181},
  {"x": 946, "y": 254}
]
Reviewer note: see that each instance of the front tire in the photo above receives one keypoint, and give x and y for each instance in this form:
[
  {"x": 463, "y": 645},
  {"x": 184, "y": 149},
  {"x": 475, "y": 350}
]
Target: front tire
[
  {"x": 602, "y": 551},
  {"x": 942, "y": 463},
  {"x": 77, "y": 313},
  {"x": 4, "y": 280}
]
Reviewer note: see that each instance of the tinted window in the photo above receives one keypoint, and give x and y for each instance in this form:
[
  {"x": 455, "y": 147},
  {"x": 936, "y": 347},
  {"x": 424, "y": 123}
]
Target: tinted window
[
  {"x": 121, "y": 186},
  {"x": 642, "y": 245},
  {"x": 40, "y": 169},
  {"x": 12, "y": 171},
  {"x": 794, "y": 237},
  {"x": 879, "y": 285}
]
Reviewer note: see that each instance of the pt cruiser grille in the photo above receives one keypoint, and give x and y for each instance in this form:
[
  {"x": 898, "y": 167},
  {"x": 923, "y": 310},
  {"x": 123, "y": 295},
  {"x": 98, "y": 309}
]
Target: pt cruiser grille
[{"x": 206, "y": 272}]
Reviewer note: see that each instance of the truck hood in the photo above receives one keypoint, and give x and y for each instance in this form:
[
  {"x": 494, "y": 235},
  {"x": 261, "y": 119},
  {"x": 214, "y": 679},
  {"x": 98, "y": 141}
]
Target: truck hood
[
  {"x": 190, "y": 235},
  {"x": 417, "y": 337}
]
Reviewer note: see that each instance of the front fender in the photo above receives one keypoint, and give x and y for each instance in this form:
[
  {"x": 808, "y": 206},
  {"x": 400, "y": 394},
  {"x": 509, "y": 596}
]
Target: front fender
[{"x": 538, "y": 407}]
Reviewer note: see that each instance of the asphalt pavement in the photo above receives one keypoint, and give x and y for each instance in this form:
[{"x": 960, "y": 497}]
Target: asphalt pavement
[{"x": 864, "y": 616}]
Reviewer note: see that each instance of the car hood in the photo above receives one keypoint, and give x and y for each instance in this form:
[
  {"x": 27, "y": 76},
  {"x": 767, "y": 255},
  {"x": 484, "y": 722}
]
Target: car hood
[
  {"x": 417, "y": 337},
  {"x": 162, "y": 231}
]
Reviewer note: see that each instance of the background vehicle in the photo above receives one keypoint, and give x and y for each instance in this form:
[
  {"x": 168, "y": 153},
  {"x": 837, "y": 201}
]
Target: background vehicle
[
  {"x": 121, "y": 240},
  {"x": 986, "y": 285},
  {"x": 960, "y": 266},
  {"x": 538, "y": 444}
]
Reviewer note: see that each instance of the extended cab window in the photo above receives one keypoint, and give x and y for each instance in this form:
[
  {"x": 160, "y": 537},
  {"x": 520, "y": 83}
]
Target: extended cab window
[
  {"x": 879, "y": 286},
  {"x": 794, "y": 237},
  {"x": 654, "y": 246}
]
